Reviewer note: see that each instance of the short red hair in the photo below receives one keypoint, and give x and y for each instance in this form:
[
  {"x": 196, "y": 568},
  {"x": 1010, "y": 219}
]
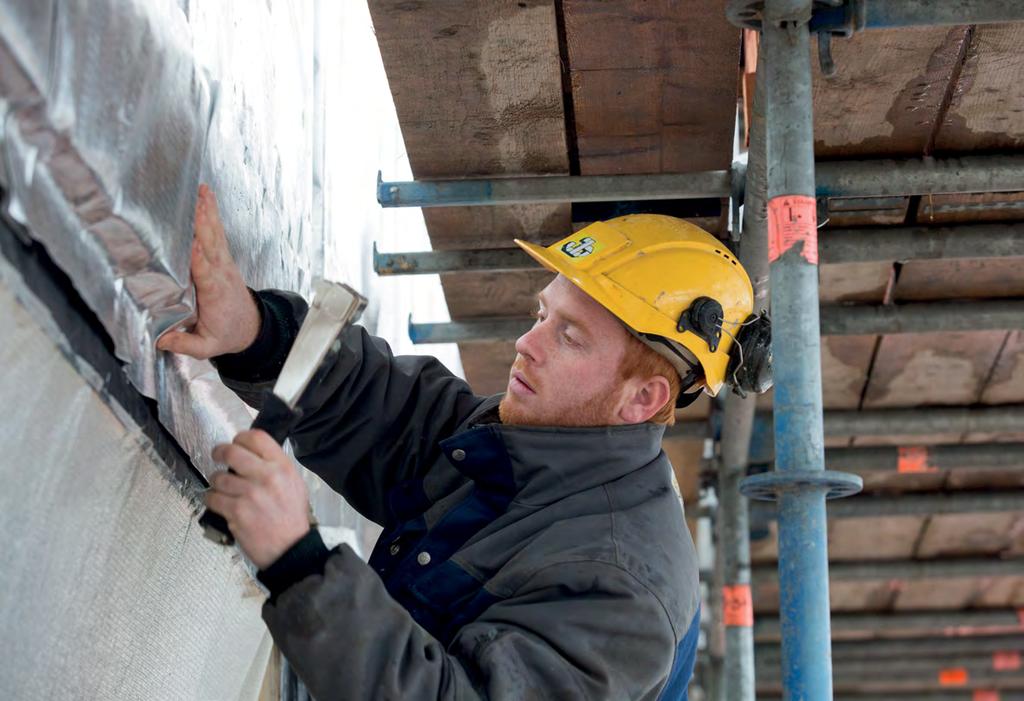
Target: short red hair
[{"x": 643, "y": 362}]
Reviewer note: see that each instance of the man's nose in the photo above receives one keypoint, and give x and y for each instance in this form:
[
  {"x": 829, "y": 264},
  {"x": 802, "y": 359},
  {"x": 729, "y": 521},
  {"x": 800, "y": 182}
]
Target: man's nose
[{"x": 529, "y": 344}]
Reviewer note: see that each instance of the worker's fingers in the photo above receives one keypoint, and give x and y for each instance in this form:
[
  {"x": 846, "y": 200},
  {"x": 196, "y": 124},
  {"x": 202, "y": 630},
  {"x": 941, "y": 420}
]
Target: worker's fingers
[
  {"x": 223, "y": 504},
  {"x": 209, "y": 229},
  {"x": 262, "y": 444},
  {"x": 185, "y": 343},
  {"x": 202, "y": 271},
  {"x": 206, "y": 233},
  {"x": 243, "y": 461},
  {"x": 231, "y": 485}
]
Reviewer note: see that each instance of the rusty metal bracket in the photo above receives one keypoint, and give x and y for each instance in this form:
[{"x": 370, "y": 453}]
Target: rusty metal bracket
[
  {"x": 844, "y": 18},
  {"x": 829, "y": 18}
]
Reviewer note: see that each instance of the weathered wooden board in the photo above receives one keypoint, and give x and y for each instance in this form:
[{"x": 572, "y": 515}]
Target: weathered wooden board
[
  {"x": 865, "y": 211},
  {"x": 891, "y": 481},
  {"x": 887, "y": 93},
  {"x": 478, "y": 91},
  {"x": 908, "y": 439},
  {"x": 477, "y": 84},
  {"x": 967, "y": 209},
  {"x": 766, "y": 549},
  {"x": 495, "y": 227},
  {"x": 1006, "y": 385},
  {"x": 949, "y": 535},
  {"x": 935, "y": 593},
  {"x": 881, "y": 538},
  {"x": 926, "y": 280},
  {"x": 1001, "y": 591},
  {"x": 860, "y": 596},
  {"x": 766, "y": 598},
  {"x": 844, "y": 367},
  {"x": 686, "y": 458},
  {"x": 932, "y": 368},
  {"x": 653, "y": 84},
  {"x": 493, "y": 294},
  {"x": 986, "y": 479},
  {"x": 863, "y": 283},
  {"x": 987, "y": 109},
  {"x": 843, "y": 597}
]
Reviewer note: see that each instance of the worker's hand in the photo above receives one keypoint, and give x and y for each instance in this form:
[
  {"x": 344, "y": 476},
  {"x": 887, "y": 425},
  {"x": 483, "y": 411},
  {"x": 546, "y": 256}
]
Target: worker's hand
[
  {"x": 228, "y": 319},
  {"x": 266, "y": 503}
]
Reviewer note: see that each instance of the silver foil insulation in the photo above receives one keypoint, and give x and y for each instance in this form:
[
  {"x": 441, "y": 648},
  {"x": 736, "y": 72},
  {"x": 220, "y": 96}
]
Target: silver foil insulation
[{"x": 113, "y": 112}]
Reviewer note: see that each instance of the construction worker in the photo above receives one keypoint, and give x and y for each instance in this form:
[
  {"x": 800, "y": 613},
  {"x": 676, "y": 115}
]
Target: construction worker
[{"x": 533, "y": 544}]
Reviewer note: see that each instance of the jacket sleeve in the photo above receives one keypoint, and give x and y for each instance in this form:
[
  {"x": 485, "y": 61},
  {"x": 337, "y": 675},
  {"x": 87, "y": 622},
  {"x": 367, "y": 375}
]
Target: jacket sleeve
[
  {"x": 583, "y": 630},
  {"x": 372, "y": 420}
]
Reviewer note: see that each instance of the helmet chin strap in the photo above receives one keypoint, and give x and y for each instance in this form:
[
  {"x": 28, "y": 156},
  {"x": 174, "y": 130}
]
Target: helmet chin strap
[{"x": 686, "y": 397}]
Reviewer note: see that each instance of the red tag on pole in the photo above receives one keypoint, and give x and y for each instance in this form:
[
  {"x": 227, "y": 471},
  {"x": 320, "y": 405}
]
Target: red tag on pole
[
  {"x": 985, "y": 695},
  {"x": 793, "y": 219},
  {"x": 953, "y": 676},
  {"x": 738, "y": 606},
  {"x": 1006, "y": 661},
  {"x": 913, "y": 458}
]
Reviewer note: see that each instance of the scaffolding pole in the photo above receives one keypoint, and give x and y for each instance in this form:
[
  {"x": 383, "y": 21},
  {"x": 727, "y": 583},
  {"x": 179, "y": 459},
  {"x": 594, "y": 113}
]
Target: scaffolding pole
[
  {"x": 834, "y": 320},
  {"x": 733, "y": 518},
  {"x": 868, "y": 178},
  {"x": 799, "y": 484},
  {"x": 835, "y": 246}
]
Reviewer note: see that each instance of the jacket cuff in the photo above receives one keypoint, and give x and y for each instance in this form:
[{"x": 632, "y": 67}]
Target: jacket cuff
[
  {"x": 307, "y": 557},
  {"x": 263, "y": 359}
]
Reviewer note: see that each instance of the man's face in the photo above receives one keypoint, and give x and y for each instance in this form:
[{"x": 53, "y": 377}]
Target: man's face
[{"x": 566, "y": 371}]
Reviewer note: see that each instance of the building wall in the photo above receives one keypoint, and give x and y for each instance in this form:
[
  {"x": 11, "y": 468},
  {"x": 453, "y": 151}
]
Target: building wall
[{"x": 112, "y": 113}]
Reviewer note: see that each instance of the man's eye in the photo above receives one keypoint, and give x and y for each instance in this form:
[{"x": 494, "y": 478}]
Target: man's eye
[{"x": 570, "y": 340}]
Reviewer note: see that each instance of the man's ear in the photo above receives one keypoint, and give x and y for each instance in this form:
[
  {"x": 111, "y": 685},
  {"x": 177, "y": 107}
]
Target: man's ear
[{"x": 643, "y": 399}]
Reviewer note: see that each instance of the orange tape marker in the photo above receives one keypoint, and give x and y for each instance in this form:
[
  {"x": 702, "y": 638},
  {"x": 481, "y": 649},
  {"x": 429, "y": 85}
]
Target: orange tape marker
[
  {"x": 913, "y": 458},
  {"x": 1006, "y": 661},
  {"x": 953, "y": 676},
  {"x": 985, "y": 695},
  {"x": 738, "y": 606},
  {"x": 793, "y": 219}
]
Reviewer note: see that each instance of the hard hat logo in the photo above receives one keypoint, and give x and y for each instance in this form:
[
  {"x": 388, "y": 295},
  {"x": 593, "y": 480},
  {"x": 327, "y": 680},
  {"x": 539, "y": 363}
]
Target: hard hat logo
[{"x": 579, "y": 249}]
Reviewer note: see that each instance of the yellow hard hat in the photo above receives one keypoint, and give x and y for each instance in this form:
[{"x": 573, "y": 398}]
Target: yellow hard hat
[{"x": 670, "y": 282}]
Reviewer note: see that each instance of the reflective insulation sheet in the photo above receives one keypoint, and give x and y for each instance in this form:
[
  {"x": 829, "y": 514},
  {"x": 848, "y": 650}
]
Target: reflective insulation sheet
[
  {"x": 108, "y": 590},
  {"x": 113, "y": 112}
]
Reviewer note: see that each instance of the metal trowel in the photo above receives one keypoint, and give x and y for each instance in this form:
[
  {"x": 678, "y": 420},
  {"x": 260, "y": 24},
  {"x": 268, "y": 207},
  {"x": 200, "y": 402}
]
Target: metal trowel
[{"x": 335, "y": 306}]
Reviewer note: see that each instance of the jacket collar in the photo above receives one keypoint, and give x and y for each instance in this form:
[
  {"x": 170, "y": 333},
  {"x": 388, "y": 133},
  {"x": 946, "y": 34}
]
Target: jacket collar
[{"x": 539, "y": 465}]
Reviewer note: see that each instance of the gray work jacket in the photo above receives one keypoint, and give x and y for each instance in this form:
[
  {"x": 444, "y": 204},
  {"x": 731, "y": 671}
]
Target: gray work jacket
[{"x": 515, "y": 562}]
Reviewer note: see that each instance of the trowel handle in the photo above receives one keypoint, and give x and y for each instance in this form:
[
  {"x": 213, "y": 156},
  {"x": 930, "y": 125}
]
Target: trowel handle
[{"x": 277, "y": 419}]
